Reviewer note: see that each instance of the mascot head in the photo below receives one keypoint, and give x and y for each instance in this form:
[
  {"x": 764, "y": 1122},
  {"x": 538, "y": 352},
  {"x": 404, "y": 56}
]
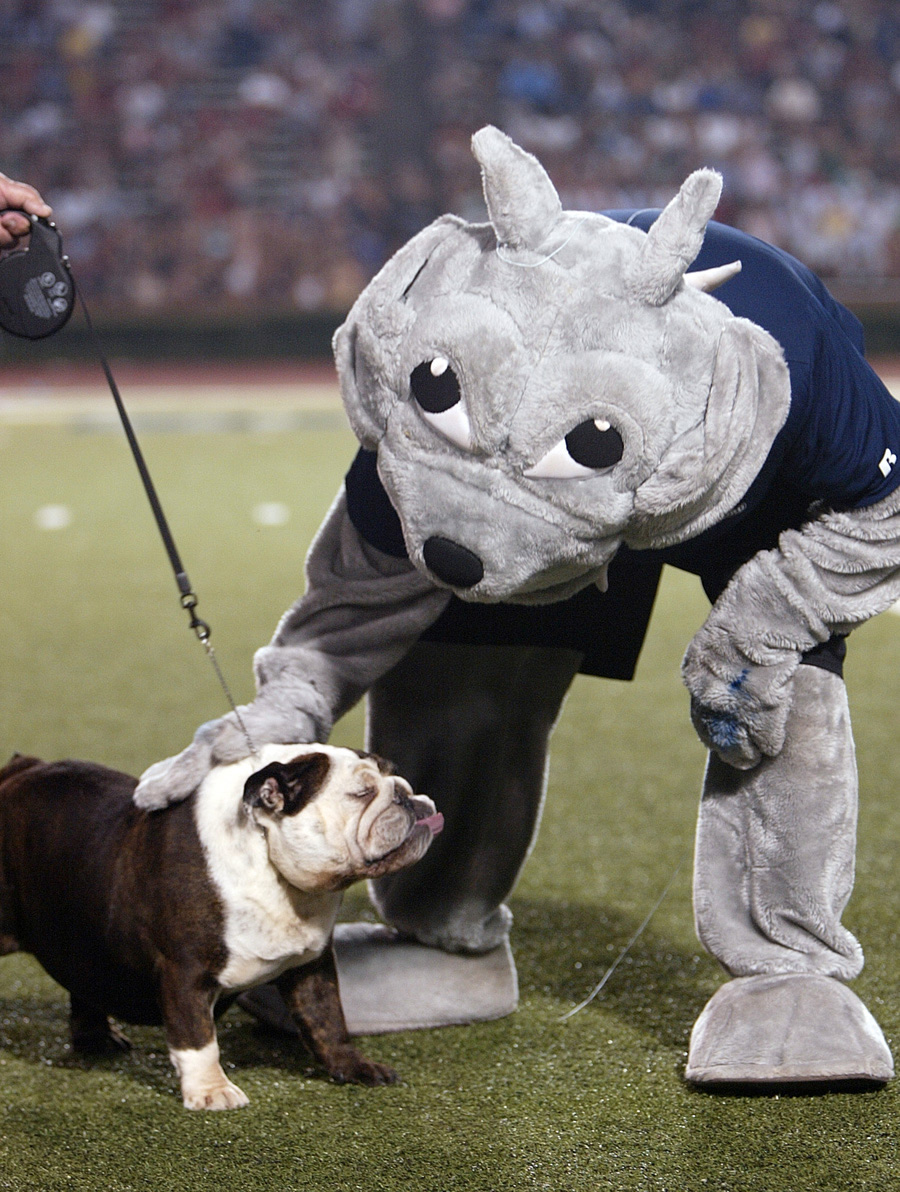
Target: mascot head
[{"x": 551, "y": 384}]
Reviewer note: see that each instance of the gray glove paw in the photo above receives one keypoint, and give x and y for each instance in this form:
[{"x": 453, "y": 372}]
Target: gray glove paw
[
  {"x": 724, "y": 733},
  {"x": 217, "y": 743},
  {"x": 738, "y": 708},
  {"x": 174, "y": 778}
]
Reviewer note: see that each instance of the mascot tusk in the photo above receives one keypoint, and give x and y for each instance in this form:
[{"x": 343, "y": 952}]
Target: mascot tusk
[{"x": 708, "y": 280}]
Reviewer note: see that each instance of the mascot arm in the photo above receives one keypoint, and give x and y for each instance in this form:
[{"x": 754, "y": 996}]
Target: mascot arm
[
  {"x": 362, "y": 611},
  {"x": 830, "y": 576}
]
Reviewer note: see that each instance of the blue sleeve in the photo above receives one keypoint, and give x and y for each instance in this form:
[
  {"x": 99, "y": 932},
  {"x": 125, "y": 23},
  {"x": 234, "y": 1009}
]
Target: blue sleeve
[
  {"x": 845, "y": 442},
  {"x": 842, "y": 439},
  {"x": 841, "y": 442}
]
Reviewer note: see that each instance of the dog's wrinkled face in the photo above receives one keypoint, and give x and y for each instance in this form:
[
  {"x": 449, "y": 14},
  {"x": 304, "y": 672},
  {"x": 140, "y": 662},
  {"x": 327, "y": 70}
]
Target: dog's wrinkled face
[{"x": 334, "y": 816}]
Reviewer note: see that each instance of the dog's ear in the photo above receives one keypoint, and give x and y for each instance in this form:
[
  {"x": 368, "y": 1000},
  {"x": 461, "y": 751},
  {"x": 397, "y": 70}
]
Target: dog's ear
[
  {"x": 384, "y": 766},
  {"x": 264, "y": 791},
  {"x": 284, "y": 788}
]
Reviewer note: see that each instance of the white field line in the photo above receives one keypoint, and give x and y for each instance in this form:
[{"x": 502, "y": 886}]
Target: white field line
[{"x": 177, "y": 407}]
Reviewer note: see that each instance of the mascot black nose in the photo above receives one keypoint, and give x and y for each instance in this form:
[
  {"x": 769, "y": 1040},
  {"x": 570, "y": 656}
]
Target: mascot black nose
[{"x": 452, "y": 563}]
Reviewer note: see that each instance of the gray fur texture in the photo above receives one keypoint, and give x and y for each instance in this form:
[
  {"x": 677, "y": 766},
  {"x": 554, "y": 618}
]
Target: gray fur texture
[
  {"x": 834, "y": 574},
  {"x": 775, "y": 846},
  {"x": 552, "y": 318},
  {"x": 548, "y": 319}
]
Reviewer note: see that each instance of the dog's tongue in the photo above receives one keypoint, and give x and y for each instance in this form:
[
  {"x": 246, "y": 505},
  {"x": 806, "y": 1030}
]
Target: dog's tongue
[{"x": 434, "y": 822}]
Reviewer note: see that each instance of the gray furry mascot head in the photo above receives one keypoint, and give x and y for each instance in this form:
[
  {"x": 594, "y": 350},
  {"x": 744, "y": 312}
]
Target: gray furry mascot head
[{"x": 584, "y": 392}]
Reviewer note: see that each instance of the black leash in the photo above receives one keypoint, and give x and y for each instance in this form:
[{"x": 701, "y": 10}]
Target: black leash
[{"x": 37, "y": 297}]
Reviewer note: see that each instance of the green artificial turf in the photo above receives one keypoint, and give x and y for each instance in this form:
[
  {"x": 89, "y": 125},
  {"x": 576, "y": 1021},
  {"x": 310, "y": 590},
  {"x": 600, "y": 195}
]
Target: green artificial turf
[{"x": 96, "y": 661}]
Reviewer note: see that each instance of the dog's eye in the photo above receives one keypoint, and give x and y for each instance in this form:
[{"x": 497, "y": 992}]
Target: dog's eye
[
  {"x": 435, "y": 387},
  {"x": 367, "y": 792},
  {"x": 590, "y": 447}
]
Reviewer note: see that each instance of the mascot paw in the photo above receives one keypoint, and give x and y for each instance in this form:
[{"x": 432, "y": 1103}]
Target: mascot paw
[
  {"x": 219, "y": 743},
  {"x": 726, "y": 735},
  {"x": 389, "y": 983},
  {"x": 792, "y": 1028},
  {"x": 174, "y": 778},
  {"x": 739, "y": 708}
]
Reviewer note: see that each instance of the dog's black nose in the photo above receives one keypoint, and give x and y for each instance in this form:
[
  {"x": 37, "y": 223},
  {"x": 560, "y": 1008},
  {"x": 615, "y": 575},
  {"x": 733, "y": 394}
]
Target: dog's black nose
[{"x": 452, "y": 563}]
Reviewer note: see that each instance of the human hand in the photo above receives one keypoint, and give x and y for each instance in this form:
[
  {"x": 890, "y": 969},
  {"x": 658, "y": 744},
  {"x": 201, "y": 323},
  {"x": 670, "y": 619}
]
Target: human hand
[{"x": 16, "y": 197}]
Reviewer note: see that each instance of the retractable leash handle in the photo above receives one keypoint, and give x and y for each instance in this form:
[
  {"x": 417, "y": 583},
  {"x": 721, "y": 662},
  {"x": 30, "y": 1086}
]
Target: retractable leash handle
[
  {"x": 37, "y": 297},
  {"x": 37, "y": 292}
]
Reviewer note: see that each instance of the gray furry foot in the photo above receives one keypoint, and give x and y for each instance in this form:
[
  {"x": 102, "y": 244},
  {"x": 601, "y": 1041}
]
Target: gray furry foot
[
  {"x": 391, "y": 983},
  {"x": 786, "y": 1029}
]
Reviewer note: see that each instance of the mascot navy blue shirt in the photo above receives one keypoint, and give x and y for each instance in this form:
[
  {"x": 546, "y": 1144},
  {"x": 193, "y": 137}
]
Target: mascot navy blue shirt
[{"x": 838, "y": 449}]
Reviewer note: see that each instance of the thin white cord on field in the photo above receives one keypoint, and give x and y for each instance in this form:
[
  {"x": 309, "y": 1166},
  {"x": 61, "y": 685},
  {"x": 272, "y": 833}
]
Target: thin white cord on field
[{"x": 618, "y": 960}]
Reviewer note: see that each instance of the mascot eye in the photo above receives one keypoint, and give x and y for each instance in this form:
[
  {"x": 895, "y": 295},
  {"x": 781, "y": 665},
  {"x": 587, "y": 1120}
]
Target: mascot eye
[
  {"x": 590, "y": 447},
  {"x": 436, "y": 389},
  {"x": 434, "y": 385}
]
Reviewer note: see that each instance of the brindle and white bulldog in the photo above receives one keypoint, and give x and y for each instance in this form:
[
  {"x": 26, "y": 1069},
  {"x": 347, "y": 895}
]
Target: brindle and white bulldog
[{"x": 164, "y": 917}]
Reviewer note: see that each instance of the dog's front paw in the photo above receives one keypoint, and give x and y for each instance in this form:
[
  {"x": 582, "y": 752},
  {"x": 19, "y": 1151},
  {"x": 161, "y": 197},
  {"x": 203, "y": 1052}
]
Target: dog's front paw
[
  {"x": 348, "y": 1066},
  {"x": 204, "y": 1084},
  {"x": 222, "y": 1096},
  {"x": 92, "y": 1032}
]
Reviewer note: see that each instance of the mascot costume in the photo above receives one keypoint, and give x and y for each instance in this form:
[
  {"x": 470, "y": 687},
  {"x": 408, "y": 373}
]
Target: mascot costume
[{"x": 550, "y": 407}]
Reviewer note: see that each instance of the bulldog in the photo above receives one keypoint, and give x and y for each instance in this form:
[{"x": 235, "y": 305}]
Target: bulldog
[{"x": 165, "y": 917}]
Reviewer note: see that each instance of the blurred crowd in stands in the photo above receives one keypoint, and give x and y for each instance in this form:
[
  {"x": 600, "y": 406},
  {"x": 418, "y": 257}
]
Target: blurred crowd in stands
[{"x": 205, "y": 155}]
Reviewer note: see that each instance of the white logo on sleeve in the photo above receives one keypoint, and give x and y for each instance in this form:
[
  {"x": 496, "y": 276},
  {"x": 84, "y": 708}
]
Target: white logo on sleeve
[{"x": 887, "y": 462}]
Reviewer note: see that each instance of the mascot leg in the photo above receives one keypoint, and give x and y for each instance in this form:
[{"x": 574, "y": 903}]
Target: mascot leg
[
  {"x": 774, "y": 871},
  {"x": 469, "y": 726}
]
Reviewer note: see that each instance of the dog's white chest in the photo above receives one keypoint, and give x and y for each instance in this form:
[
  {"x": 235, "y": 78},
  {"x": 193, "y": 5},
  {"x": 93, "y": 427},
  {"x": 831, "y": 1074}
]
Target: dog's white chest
[
  {"x": 261, "y": 944},
  {"x": 268, "y": 926}
]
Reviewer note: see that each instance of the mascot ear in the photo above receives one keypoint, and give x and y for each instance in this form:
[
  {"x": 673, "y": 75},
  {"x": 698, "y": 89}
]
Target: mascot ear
[
  {"x": 357, "y": 385},
  {"x": 705, "y": 472},
  {"x": 748, "y": 400},
  {"x": 676, "y": 238},
  {"x": 522, "y": 202},
  {"x": 367, "y": 344}
]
